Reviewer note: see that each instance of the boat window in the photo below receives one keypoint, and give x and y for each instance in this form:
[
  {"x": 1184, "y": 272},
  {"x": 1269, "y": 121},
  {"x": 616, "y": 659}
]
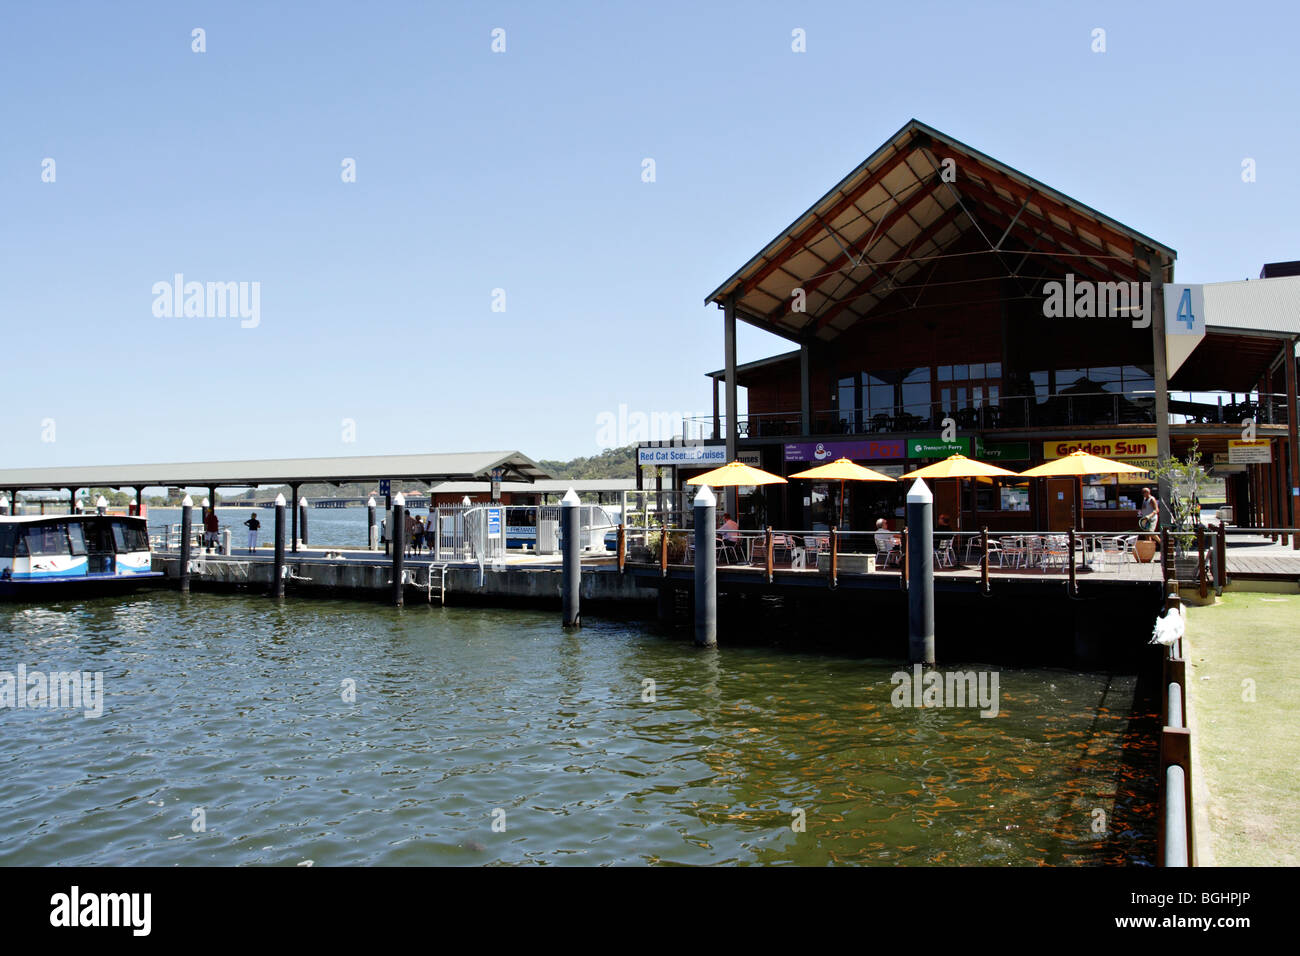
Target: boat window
[
  {"x": 77, "y": 537},
  {"x": 45, "y": 540},
  {"x": 128, "y": 537},
  {"x": 8, "y": 534}
]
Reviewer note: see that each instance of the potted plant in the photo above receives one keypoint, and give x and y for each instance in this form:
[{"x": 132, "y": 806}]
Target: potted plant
[{"x": 1187, "y": 479}]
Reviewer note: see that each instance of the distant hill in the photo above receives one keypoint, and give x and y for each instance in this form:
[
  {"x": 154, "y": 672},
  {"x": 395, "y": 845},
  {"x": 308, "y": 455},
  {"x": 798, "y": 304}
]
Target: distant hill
[{"x": 611, "y": 463}]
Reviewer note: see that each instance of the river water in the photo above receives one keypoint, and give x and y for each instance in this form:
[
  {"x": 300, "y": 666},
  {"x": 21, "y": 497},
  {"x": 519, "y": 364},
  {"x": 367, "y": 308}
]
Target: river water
[{"x": 494, "y": 736}]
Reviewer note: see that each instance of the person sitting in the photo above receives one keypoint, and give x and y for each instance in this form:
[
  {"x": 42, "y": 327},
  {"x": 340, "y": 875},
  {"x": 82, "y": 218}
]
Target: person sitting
[
  {"x": 729, "y": 527},
  {"x": 886, "y": 540}
]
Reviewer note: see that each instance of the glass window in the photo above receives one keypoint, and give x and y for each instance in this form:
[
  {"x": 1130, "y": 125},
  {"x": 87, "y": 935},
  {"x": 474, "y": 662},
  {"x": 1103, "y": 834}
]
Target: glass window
[
  {"x": 46, "y": 540},
  {"x": 77, "y": 538},
  {"x": 993, "y": 370},
  {"x": 848, "y": 398},
  {"x": 960, "y": 372},
  {"x": 1067, "y": 377},
  {"x": 944, "y": 373},
  {"x": 976, "y": 371},
  {"x": 879, "y": 399},
  {"x": 8, "y": 536}
]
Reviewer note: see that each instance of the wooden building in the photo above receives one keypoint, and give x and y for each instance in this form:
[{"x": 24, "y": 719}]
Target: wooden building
[{"x": 939, "y": 300}]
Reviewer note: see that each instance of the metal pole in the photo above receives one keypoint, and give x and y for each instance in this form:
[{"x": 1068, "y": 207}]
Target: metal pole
[
  {"x": 984, "y": 562},
  {"x": 302, "y": 507},
  {"x": 571, "y": 577},
  {"x": 706, "y": 568},
  {"x": 187, "y": 525},
  {"x": 372, "y": 532},
  {"x": 1160, "y": 370},
  {"x": 294, "y": 489},
  {"x": 1074, "y": 581},
  {"x": 277, "y": 565},
  {"x": 920, "y": 589},
  {"x": 397, "y": 538}
]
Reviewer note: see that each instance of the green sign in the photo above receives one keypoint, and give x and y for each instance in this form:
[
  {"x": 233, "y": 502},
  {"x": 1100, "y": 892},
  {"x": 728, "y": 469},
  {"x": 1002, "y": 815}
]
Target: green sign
[
  {"x": 937, "y": 447},
  {"x": 1008, "y": 451}
]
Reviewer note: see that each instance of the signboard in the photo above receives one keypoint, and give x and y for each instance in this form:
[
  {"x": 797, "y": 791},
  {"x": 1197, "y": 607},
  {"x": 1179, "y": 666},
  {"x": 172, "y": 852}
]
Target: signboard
[
  {"x": 1184, "y": 309},
  {"x": 1007, "y": 451},
  {"x": 691, "y": 455},
  {"x": 494, "y": 522},
  {"x": 937, "y": 447},
  {"x": 870, "y": 450},
  {"x": 1119, "y": 448},
  {"x": 496, "y": 484},
  {"x": 1250, "y": 452},
  {"x": 385, "y": 486}
]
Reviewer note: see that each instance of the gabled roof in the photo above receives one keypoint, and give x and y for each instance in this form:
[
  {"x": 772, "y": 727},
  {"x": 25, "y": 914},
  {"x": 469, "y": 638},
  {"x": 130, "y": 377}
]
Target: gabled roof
[
  {"x": 277, "y": 471},
  {"x": 908, "y": 202}
]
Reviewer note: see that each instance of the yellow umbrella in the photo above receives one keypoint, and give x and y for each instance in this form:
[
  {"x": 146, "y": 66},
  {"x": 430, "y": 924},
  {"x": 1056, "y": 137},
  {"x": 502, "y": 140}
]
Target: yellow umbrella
[
  {"x": 843, "y": 470},
  {"x": 736, "y": 473},
  {"x": 958, "y": 466},
  {"x": 1076, "y": 465}
]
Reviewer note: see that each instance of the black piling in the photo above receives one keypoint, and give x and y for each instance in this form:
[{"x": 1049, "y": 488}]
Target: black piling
[
  {"x": 277, "y": 569},
  {"x": 187, "y": 531},
  {"x": 920, "y": 585},
  {"x": 571, "y": 576},
  {"x": 397, "y": 538},
  {"x": 706, "y": 569}
]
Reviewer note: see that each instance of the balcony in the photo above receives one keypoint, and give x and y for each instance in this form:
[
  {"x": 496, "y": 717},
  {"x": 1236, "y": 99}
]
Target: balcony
[{"x": 1077, "y": 409}]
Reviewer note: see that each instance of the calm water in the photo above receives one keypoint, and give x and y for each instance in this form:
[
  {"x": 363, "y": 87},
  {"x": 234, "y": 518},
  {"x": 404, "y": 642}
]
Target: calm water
[
  {"x": 326, "y": 527},
  {"x": 234, "y": 704}
]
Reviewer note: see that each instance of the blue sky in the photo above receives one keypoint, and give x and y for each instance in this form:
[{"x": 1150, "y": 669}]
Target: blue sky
[{"x": 522, "y": 171}]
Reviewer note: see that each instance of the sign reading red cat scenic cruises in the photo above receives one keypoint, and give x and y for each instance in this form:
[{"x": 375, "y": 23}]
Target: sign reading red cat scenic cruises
[{"x": 876, "y": 450}]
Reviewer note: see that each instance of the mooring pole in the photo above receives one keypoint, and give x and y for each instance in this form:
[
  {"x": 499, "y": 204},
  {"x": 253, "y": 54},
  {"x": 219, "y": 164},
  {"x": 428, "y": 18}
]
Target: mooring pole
[
  {"x": 397, "y": 538},
  {"x": 706, "y": 569},
  {"x": 920, "y": 584},
  {"x": 302, "y": 520},
  {"x": 571, "y": 574},
  {"x": 187, "y": 527},
  {"x": 372, "y": 532},
  {"x": 277, "y": 564},
  {"x": 4, "y": 503},
  {"x": 294, "y": 535}
]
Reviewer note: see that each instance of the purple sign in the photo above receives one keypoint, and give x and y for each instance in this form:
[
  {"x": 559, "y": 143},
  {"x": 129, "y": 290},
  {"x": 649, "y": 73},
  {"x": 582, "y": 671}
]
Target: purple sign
[{"x": 889, "y": 449}]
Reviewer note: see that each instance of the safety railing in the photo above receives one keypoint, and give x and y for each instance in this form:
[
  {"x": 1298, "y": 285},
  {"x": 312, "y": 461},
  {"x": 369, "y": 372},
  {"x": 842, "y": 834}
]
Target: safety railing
[
  {"x": 171, "y": 535},
  {"x": 1070, "y": 554},
  {"x": 1174, "y": 821}
]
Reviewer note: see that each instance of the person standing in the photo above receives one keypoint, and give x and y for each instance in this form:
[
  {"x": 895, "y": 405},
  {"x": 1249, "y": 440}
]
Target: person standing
[
  {"x": 210, "y": 528},
  {"x": 253, "y": 525},
  {"x": 1148, "y": 511},
  {"x": 417, "y": 536}
]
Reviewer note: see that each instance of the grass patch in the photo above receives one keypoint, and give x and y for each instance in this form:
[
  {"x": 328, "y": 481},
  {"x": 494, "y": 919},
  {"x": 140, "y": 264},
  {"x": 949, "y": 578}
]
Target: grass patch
[{"x": 1248, "y": 645}]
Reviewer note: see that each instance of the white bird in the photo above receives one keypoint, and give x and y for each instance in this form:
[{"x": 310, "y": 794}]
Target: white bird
[{"x": 1169, "y": 627}]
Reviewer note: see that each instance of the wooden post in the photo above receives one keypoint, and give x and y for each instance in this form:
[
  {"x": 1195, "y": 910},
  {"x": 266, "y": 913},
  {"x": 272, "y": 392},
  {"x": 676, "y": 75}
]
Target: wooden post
[
  {"x": 984, "y": 561},
  {"x": 902, "y": 578},
  {"x": 1074, "y": 582},
  {"x": 1200, "y": 562},
  {"x": 767, "y": 551},
  {"x": 1164, "y": 554},
  {"x": 622, "y": 548},
  {"x": 663, "y": 551},
  {"x": 835, "y": 556},
  {"x": 1221, "y": 546}
]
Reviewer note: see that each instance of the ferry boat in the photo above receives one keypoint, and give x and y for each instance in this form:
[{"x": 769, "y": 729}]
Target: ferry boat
[{"x": 50, "y": 556}]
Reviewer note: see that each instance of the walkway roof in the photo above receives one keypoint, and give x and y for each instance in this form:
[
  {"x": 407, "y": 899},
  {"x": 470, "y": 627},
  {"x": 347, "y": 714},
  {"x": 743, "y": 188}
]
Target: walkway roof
[
  {"x": 461, "y": 466},
  {"x": 883, "y": 222}
]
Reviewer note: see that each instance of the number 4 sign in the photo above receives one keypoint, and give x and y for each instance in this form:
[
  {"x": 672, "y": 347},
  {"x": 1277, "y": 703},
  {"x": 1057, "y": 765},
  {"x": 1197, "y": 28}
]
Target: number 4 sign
[{"x": 1184, "y": 309}]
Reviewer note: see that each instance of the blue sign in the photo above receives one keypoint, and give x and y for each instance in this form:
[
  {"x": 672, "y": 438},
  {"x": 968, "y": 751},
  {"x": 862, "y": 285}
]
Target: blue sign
[
  {"x": 494, "y": 522},
  {"x": 385, "y": 486}
]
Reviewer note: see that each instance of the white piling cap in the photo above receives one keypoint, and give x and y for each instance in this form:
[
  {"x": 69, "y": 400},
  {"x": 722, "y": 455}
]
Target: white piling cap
[
  {"x": 465, "y": 500},
  {"x": 279, "y": 501},
  {"x": 102, "y": 502},
  {"x": 704, "y": 498},
  {"x": 303, "y": 501},
  {"x": 188, "y": 502},
  {"x": 4, "y": 498},
  {"x": 919, "y": 494},
  {"x": 570, "y": 498},
  {"x": 371, "y": 502},
  {"x": 399, "y": 500}
]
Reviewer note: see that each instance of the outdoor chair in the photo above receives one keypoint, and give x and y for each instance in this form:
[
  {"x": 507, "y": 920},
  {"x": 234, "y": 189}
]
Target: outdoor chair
[
  {"x": 1056, "y": 550},
  {"x": 943, "y": 553}
]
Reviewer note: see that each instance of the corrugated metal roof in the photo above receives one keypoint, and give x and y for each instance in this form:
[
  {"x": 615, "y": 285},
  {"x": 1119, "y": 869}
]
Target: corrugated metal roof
[
  {"x": 551, "y": 486},
  {"x": 1257, "y": 305},
  {"x": 427, "y": 468}
]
